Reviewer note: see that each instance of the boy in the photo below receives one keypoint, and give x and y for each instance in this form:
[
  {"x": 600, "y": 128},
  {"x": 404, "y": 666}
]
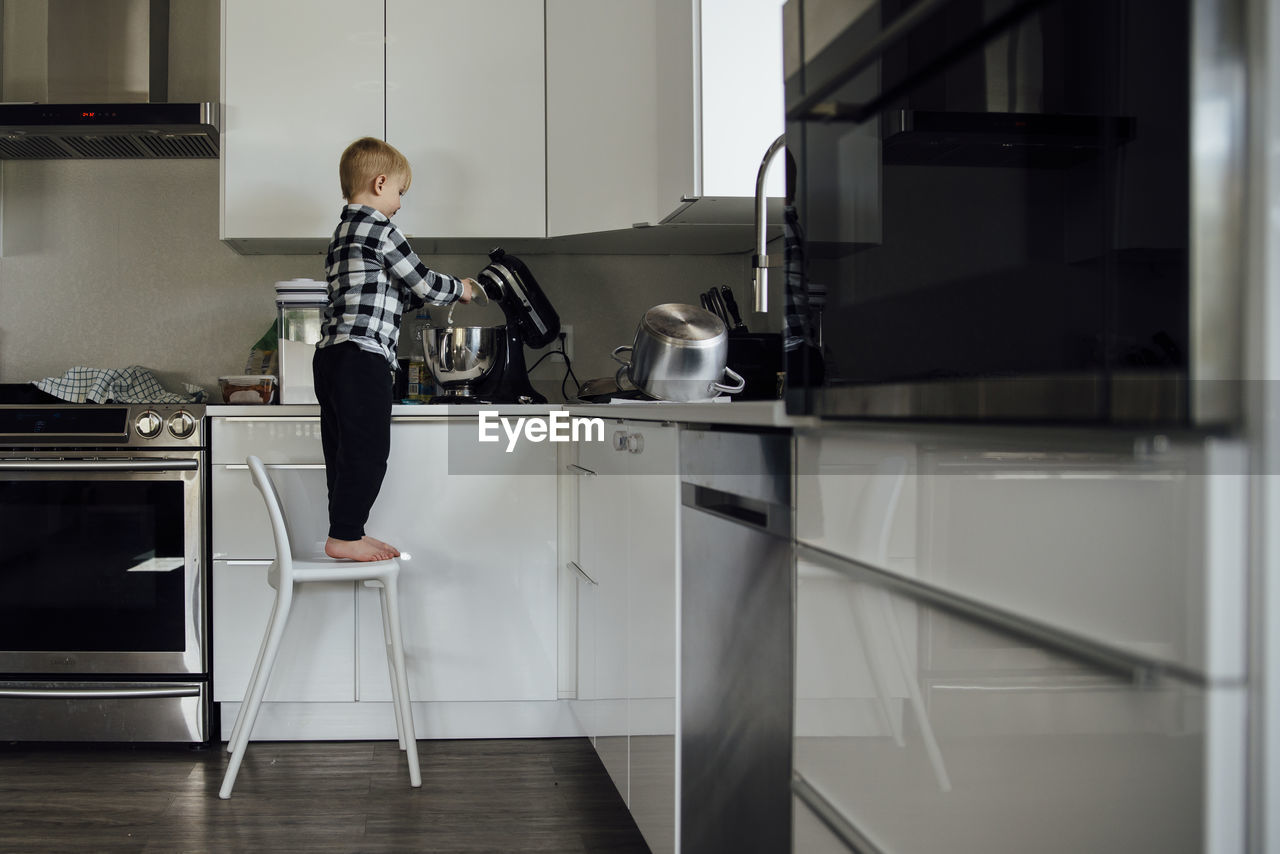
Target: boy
[{"x": 374, "y": 277}]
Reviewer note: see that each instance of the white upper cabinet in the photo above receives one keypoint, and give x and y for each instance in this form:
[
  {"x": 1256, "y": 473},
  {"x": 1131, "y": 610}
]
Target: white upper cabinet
[
  {"x": 466, "y": 104},
  {"x": 653, "y": 101},
  {"x": 297, "y": 89},
  {"x": 521, "y": 118},
  {"x": 457, "y": 85},
  {"x": 742, "y": 100}
]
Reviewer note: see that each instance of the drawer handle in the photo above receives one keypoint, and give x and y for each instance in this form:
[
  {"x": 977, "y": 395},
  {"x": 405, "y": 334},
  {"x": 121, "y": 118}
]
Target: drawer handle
[
  {"x": 835, "y": 820},
  {"x": 574, "y": 566},
  {"x": 577, "y": 469},
  {"x": 1137, "y": 669}
]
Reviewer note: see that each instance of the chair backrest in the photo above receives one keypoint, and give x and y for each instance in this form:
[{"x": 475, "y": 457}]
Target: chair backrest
[{"x": 275, "y": 512}]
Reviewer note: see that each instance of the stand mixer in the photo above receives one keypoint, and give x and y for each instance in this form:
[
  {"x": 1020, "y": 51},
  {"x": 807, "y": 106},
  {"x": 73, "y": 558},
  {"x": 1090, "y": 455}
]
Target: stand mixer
[{"x": 486, "y": 364}]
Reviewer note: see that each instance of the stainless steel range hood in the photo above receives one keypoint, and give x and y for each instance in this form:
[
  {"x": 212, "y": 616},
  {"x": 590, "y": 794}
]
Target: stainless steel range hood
[{"x": 90, "y": 79}]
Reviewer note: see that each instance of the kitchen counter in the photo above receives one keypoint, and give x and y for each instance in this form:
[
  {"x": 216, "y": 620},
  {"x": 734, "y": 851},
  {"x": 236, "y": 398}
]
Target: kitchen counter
[
  {"x": 295, "y": 410},
  {"x": 753, "y": 413}
]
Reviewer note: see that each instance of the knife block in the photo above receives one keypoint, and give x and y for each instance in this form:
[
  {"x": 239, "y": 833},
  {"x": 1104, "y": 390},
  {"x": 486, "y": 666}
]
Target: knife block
[{"x": 757, "y": 356}]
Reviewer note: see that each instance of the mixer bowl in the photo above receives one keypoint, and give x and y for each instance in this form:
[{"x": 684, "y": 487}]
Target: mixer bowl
[{"x": 459, "y": 356}]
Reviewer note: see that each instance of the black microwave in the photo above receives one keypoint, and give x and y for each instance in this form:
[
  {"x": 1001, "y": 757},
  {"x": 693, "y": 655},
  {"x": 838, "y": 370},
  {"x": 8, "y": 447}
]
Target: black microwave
[{"x": 1015, "y": 210}]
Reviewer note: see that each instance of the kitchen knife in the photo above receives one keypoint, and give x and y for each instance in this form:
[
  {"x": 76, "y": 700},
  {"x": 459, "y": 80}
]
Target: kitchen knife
[
  {"x": 732, "y": 304},
  {"x": 717, "y": 306}
]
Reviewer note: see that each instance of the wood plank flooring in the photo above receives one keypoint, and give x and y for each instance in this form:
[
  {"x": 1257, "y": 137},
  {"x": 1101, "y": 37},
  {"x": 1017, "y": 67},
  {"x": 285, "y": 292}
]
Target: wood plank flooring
[{"x": 545, "y": 795}]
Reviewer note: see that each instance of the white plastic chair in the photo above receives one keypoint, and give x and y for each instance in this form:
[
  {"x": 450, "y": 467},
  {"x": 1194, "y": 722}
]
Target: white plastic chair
[{"x": 285, "y": 573}]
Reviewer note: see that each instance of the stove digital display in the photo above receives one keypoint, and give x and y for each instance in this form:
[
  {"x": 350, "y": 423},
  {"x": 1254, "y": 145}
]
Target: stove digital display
[{"x": 78, "y": 421}]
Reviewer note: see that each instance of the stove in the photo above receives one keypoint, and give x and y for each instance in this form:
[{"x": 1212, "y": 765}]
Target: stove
[{"x": 103, "y": 571}]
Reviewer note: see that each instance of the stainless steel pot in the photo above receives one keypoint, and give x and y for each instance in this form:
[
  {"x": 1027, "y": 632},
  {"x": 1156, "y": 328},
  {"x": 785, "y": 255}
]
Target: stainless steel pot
[{"x": 679, "y": 354}]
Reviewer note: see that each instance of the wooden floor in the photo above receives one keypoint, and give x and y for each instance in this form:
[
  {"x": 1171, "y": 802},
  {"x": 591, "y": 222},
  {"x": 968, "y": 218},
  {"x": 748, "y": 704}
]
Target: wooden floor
[{"x": 548, "y": 795}]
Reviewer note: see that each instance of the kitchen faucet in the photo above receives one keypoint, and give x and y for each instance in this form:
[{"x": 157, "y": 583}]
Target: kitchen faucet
[{"x": 760, "y": 261}]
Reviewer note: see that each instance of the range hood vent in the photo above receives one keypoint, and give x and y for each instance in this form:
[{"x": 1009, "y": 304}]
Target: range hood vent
[
  {"x": 108, "y": 131},
  {"x": 89, "y": 80}
]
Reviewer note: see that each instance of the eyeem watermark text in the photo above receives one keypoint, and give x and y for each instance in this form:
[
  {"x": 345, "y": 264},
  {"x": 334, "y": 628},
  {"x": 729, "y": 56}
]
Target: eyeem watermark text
[{"x": 555, "y": 426}]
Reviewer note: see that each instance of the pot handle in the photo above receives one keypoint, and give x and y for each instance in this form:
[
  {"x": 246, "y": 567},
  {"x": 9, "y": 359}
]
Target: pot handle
[
  {"x": 740, "y": 383},
  {"x": 626, "y": 365}
]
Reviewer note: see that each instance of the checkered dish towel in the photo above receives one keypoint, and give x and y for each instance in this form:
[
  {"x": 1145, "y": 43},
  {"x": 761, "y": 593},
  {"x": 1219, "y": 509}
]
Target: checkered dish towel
[{"x": 134, "y": 384}]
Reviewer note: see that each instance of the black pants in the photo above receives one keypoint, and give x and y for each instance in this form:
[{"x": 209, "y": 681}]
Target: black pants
[{"x": 353, "y": 387}]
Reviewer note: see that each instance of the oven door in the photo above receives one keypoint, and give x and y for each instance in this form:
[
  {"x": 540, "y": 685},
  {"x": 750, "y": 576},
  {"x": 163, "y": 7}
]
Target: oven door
[{"x": 101, "y": 564}]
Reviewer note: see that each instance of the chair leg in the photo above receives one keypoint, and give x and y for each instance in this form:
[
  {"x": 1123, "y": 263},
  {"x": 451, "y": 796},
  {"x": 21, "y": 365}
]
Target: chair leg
[
  {"x": 257, "y": 665},
  {"x": 401, "y": 680},
  {"x": 257, "y": 688},
  {"x": 391, "y": 667}
]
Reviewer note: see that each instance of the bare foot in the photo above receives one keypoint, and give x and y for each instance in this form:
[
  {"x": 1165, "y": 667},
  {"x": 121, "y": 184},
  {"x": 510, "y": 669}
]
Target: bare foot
[
  {"x": 356, "y": 550},
  {"x": 395, "y": 552}
]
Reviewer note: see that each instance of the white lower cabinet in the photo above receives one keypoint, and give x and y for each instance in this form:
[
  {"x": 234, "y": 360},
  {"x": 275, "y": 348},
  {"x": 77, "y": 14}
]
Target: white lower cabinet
[
  {"x": 603, "y": 505},
  {"x": 1134, "y": 541},
  {"x": 316, "y": 662},
  {"x": 478, "y": 585},
  {"x": 628, "y": 511},
  {"x": 1018, "y": 640},
  {"x": 478, "y": 589},
  {"x": 1031, "y": 748},
  {"x": 584, "y": 703},
  {"x": 810, "y": 834}
]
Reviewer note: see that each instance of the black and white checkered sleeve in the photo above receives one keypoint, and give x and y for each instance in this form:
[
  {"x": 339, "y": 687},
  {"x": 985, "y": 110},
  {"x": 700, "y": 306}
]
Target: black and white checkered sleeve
[{"x": 407, "y": 270}]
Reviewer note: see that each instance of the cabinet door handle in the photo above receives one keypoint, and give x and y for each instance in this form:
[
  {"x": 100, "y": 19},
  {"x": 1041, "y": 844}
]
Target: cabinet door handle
[
  {"x": 574, "y": 468},
  {"x": 620, "y": 440},
  {"x": 635, "y": 443},
  {"x": 574, "y": 566}
]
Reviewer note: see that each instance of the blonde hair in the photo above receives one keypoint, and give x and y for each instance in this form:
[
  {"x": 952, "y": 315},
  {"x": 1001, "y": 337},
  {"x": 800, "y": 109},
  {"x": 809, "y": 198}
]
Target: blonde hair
[{"x": 366, "y": 159}]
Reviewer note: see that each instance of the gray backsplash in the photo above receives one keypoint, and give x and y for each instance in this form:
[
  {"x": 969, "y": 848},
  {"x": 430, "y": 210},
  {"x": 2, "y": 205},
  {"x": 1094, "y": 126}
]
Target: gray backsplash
[{"x": 115, "y": 263}]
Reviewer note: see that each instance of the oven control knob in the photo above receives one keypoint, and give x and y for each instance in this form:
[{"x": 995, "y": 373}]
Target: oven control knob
[
  {"x": 148, "y": 424},
  {"x": 181, "y": 424}
]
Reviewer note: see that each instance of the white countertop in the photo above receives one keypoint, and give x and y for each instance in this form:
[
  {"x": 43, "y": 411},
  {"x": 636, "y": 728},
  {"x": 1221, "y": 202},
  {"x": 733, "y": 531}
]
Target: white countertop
[
  {"x": 754, "y": 413},
  {"x": 303, "y": 410}
]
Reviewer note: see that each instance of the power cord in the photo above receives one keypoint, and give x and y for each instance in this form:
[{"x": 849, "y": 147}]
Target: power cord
[{"x": 568, "y": 367}]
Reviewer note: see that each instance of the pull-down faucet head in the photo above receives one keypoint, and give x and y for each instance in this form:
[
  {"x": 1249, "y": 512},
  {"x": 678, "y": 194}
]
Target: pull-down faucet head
[{"x": 760, "y": 261}]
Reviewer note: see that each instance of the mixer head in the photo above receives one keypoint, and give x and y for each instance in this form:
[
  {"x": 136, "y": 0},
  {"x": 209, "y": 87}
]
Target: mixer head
[{"x": 508, "y": 282}]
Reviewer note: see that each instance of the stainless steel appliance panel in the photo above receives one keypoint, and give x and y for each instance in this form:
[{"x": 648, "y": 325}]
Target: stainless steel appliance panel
[
  {"x": 736, "y": 645},
  {"x": 103, "y": 579},
  {"x": 104, "y": 711}
]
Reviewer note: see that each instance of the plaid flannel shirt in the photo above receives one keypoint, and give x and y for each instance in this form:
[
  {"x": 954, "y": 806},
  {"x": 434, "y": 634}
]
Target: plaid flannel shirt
[{"x": 373, "y": 278}]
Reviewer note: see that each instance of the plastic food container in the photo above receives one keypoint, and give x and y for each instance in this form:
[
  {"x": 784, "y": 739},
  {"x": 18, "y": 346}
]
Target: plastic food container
[{"x": 248, "y": 388}]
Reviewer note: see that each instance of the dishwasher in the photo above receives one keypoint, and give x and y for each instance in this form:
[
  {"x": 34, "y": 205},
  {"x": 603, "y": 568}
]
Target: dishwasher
[{"x": 736, "y": 623}]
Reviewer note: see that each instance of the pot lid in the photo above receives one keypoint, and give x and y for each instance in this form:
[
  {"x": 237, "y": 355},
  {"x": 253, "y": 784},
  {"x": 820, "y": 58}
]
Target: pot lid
[{"x": 683, "y": 325}]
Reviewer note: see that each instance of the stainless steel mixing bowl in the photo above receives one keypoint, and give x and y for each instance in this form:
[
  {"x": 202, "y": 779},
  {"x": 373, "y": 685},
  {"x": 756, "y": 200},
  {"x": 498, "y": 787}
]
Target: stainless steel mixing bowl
[{"x": 459, "y": 356}]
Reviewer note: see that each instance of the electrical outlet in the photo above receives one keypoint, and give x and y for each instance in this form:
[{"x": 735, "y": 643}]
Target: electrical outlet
[
  {"x": 567, "y": 331},
  {"x": 553, "y": 365}
]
